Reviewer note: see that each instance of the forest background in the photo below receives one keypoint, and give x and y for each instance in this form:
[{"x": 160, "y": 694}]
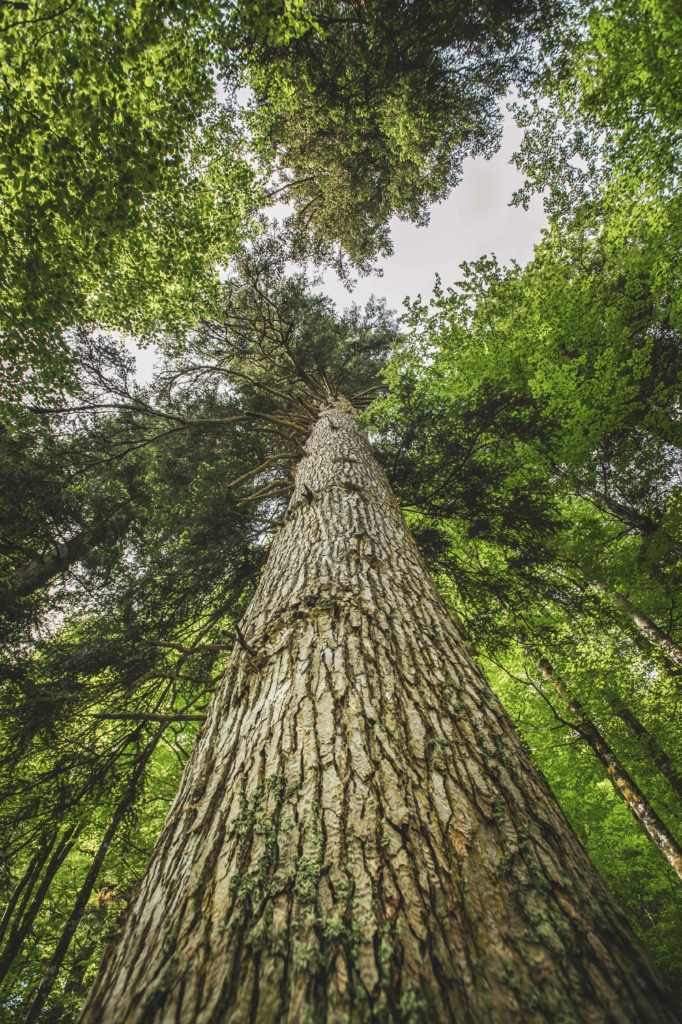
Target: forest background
[{"x": 528, "y": 418}]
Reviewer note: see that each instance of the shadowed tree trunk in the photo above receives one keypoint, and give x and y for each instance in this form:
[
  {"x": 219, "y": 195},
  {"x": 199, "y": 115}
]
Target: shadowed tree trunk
[
  {"x": 25, "y": 885},
  {"x": 21, "y": 927},
  {"x": 85, "y": 891},
  {"x": 359, "y": 835},
  {"x": 630, "y": 516}
]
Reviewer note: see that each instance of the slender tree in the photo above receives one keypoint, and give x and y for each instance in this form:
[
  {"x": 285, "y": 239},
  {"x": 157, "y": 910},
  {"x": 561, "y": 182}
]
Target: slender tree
[
  {"x": 26, "y": 916},
  {"x": 85, "y": 891},
  {"x": 651, "y": 631},
  {"x": 649, "y": 743},
  {"x": 622, "y": 782}
]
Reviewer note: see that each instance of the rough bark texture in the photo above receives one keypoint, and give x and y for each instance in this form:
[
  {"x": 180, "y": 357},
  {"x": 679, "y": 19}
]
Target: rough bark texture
[{"x": 359, "y": 835}]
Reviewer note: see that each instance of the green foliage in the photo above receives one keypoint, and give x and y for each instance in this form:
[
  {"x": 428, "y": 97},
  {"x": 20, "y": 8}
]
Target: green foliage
[
  {"x": 529, "y": 419},
  {"x": 372, "y": 113},
  {"x": 603, "y": 140},
  {"x": 100, "y": 103},
  {"x": 126, "y": 183}
]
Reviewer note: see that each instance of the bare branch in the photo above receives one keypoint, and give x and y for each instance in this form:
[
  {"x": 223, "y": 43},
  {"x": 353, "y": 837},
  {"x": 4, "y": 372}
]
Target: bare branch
[
  {"x": 263, "y": 466},
  {"x": 189, "y": 650},
  {"x": 141, "y": 717},
  {"x": 276, "y": 487}
]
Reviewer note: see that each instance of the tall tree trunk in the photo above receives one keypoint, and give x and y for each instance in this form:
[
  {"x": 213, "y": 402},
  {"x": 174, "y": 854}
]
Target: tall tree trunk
[
  {"x": 650, "y": 630},
  {"x": 359, "y": 835},
  {"x": 658, "y": 755},
  {"x": 84, "y": 893},
  {"x": 622, "y": 782},
  {"x": 22, "y": 926}
]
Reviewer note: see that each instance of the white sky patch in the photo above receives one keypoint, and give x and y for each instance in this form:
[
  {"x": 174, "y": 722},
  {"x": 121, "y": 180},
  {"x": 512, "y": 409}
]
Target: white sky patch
[
  {"x": 475, "y": 220},
  {"x": 145, "y": 359}
]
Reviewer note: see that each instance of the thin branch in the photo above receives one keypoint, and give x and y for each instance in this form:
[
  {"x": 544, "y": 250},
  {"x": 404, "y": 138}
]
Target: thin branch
[
  {"x": 263, "y": 466},
  {"x": 367, "y": 391},
  {"x": 280, "y": 422},
  {"x": 189, "y": 650},
  {"x": 266, "y": 492},
  {"x": 242, "y": 641},
  {"x": 289, "y": 184},
  {"x": 141, "y": 717},
  {"x": 35, "y": 21},
  {"x": 259, "y": 519}
]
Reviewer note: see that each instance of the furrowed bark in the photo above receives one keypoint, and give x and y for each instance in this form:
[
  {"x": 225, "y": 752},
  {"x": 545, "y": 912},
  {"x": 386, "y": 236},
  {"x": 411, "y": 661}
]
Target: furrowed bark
[
  {"x": 643, "y": 623},
  {"x": 84, "y": 893},
  {"x": 653, "y": 748},
  {"x": 622, "y": 782},
  {"x": 359, "y": 835},
  {"x": 22, "y": 926}
]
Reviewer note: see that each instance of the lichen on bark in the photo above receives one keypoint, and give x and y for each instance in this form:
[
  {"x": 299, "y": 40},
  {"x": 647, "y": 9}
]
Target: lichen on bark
[{"x": 359, "y": 835}]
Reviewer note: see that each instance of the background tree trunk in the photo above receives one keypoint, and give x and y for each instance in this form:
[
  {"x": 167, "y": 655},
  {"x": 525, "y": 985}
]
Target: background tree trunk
[
  {"x": 622, "y": 781},
  {"x": 359, "y": 835},
  {"x": 650, "y": 744},
  {"x": 22, "y": 925},
  {"x": 651, "y": 631},
  {"x": 25, "y": 885},
  {"x": 37, "y": 573}
]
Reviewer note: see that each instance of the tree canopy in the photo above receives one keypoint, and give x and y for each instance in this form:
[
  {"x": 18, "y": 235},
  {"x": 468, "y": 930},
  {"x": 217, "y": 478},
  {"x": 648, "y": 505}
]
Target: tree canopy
[{"x": 132, "y": 172}]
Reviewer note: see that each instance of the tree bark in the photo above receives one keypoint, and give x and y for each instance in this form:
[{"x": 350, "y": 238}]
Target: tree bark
[
  {"x": 622, "y": 782},
  {"x": 359, "y": 835},
  {"x": 643, "y": 623}
]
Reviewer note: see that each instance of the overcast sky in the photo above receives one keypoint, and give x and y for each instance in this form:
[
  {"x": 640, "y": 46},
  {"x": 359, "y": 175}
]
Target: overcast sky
[{"x": 474, "y": 221}]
